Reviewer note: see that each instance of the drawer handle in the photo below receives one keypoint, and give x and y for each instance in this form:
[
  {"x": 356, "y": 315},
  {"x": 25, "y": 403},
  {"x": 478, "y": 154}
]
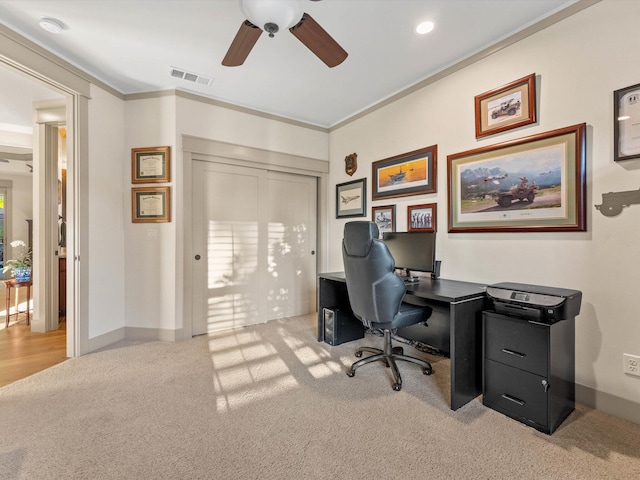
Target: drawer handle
[
  {"x": 514, "y": 353},
  {"x": 513, "y": 399}
]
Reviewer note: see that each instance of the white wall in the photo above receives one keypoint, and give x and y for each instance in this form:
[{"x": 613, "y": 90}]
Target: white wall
[
  {"x": 154, "y": 252},
  {"x": 106, "y": 262},
  {"x": 150, "y": 273},
  {"x": 22, "y": 189},
  {"x": 227, "y": 125},
  {"x": 579, "y": 63},
  {"x": 21, "y": 207}
]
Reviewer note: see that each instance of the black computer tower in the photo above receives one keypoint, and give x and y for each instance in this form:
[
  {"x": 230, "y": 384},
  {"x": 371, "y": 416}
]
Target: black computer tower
[{"x": 340, "y": 327}]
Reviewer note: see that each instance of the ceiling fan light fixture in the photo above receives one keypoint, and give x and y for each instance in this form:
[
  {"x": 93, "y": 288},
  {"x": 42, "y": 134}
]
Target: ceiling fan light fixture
[{"x": 265, "y": 14}]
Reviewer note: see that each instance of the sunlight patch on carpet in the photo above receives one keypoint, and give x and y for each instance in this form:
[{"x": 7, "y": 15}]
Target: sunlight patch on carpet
[{"x": 247, "y": 368}]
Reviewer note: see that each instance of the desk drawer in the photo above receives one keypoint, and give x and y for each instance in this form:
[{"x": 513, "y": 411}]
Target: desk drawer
[
  {"x": 515, "y": 393},
  {"x": 517, "y": 343}
]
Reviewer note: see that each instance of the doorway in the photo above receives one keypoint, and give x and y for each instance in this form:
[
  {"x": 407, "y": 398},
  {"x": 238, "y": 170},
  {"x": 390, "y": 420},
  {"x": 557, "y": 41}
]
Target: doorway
[{"x": 254, "y": 244}]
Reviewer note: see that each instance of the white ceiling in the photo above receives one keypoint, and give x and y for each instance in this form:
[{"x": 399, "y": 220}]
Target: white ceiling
[{"x": 130, "y": 45}]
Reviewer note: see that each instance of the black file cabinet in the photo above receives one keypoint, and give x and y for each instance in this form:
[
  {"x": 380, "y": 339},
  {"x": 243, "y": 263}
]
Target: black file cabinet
[{"x": 529, "y": 369}]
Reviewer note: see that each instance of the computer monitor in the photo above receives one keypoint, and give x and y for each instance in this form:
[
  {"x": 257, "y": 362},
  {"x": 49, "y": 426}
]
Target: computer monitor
[{"x": 413, "y": 251}]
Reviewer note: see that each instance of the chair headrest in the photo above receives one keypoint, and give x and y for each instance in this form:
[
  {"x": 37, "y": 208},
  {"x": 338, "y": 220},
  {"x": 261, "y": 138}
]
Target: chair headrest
[{"x": 358, "y": 237}]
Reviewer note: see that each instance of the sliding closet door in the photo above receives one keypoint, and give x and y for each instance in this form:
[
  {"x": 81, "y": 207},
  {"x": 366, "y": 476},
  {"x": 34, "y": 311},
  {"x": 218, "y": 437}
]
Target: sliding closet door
[
  {"x": 292, "y": 243},
  {"x": 252, "y": 246}
]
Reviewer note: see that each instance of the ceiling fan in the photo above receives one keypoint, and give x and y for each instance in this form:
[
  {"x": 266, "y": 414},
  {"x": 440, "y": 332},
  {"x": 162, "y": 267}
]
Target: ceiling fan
[{"x": 274, "y": 15}]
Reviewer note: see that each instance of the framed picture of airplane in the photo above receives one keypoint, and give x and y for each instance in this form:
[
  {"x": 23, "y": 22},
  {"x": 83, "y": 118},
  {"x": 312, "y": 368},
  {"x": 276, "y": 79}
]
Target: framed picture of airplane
[
  {"x": 385, "y": 218},
  {"x": 351, "y": 199},
  {"x": 411, "y": 173},
  {"x": 532, "y": 184}
]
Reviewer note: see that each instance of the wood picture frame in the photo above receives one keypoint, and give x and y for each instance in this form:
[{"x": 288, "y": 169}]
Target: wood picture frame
[
  {"x": 351, "y": 199},
  {"x": 626, "y": 123},
  {"x": 411, "y": 173},
  {"x": 510, "y": 106},
  {"x": 422, "y": 218},
  {"x": 151, "y": 165},
  {"x": 533, "y": 184},
  {"x": 151, "y": 204},
  {"x": 385, "y": 218}
]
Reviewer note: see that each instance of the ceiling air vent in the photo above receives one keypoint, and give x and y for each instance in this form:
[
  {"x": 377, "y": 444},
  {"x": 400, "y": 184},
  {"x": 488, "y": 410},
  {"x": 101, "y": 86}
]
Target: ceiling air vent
[{"x": 191, "y": 77}]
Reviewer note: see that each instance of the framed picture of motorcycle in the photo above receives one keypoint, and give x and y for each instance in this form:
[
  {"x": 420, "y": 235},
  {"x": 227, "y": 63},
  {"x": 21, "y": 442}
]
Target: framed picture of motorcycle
[{"x": 503, "y": 108}]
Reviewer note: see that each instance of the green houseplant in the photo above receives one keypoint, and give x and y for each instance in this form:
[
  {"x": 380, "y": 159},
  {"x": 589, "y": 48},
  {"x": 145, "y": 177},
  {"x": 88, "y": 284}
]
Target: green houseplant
[{"x": 20, "y": 266}]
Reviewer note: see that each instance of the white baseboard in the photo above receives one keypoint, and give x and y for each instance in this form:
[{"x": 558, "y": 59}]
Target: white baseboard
[
  {"x": 157, "y": 334},
  {"x": 607, "y": 403},
  {"x": 134, "y": 333},
  {"x": 105, "y": 339}
]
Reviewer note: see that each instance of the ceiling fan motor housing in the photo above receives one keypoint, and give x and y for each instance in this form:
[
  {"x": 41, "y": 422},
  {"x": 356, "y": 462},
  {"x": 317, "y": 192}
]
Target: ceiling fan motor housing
[{"x": 272, "y": 15}]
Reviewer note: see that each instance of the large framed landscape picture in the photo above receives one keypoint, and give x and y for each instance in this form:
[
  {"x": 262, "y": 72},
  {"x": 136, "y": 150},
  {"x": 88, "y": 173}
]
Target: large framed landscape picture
[{"x": 535, "y": 183}]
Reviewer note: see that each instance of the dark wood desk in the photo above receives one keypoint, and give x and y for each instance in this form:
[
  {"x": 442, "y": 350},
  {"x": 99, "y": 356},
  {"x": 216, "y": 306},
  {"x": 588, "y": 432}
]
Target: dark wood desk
[
  {"x": 12, "y": 283},
  {"x": 457, "y": 321}
]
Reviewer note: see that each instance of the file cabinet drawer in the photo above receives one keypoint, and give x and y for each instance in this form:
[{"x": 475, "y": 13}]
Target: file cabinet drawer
[
  {"x": 516, "y": 342},
  {"x": 516, "y": 393}
]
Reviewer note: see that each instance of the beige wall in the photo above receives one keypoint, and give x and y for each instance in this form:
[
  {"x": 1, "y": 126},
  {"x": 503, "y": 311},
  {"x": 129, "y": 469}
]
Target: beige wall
[{"x": 578, "y": 63}]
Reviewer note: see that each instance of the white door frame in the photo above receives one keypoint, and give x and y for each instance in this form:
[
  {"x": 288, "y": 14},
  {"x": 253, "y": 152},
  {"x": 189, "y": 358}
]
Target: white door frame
[
  {"x": 211, "y": 150},
  {"x": 24, "y": 56}
]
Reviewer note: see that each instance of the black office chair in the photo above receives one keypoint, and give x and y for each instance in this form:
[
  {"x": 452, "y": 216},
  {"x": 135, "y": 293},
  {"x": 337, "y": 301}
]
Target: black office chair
[{"x": 375, "y": 294}]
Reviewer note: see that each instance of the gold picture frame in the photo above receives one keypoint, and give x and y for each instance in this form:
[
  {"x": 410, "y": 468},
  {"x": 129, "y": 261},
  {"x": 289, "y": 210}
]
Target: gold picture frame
[
  {"x": 151, "y": 165},
  {"x": 151, "y": 204}
]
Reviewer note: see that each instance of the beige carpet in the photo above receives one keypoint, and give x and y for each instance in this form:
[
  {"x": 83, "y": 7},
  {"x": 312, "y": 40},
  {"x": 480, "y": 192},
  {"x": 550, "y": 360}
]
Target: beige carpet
[{"x": 270, "y": 402}]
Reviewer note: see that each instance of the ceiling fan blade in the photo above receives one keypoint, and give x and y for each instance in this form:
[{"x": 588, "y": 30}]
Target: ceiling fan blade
[
  {"x": 316, "y": 39},
  {"x": 242, "y": 44}
]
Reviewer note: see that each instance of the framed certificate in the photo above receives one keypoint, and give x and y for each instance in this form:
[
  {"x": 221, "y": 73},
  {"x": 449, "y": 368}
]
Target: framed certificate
[
  {"x": 151, "y": 165},
  {"x": 151, "y": 204},
  {"x": 626, "y": 123}
]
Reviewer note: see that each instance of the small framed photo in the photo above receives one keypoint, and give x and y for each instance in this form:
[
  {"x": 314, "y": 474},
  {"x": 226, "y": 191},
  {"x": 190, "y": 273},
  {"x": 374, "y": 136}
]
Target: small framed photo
[
  {"x": 385, "y": 218},
  {"x": 411, "y": 173},
  {"x": 422, "y": 218},
  {"x": 626, "y": 123},
  {"x": 151, "y": 204},
  {"x": 510, "y": 106},
  {"x": 351, "y": 199},
  {"x": 151, "y": 165}
]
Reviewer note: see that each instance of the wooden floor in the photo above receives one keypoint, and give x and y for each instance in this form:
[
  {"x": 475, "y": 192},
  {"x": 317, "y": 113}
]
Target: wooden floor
[{"x": 23, "y": 353}]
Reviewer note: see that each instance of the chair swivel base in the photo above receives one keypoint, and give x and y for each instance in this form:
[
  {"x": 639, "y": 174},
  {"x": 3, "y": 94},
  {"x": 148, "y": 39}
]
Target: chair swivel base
[{"x": 389, "y": 356}]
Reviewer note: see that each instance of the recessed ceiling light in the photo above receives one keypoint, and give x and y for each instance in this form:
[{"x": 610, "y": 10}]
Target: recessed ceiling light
[
  {"x": 425, "y": 27},
  {"x": 51, "y": 25}
]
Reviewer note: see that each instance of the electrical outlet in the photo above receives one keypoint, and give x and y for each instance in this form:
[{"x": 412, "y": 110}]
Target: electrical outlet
[{"x": 631, "y": 364}]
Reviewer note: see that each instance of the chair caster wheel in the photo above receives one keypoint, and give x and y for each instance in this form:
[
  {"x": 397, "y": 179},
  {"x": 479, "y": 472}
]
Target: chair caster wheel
[
  {"x": 397, "y": 387},
  {"x": 350, "y": 373},
  {"x": 427, "y": 371},
  {"x": 358, "y": 354}
]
